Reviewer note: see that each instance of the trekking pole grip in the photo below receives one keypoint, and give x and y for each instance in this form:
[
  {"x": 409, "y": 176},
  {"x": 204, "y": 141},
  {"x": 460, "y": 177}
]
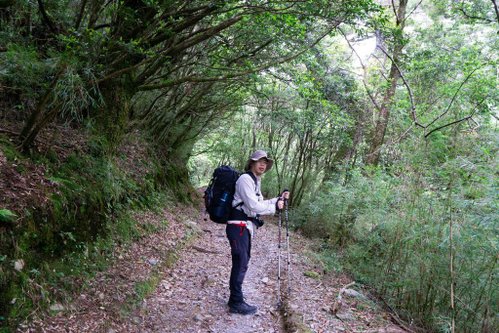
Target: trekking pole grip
[{"x": 282, "y": 193}]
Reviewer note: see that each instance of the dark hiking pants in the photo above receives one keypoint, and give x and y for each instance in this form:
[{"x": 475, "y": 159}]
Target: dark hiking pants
[{"x": 240, "y": 248}]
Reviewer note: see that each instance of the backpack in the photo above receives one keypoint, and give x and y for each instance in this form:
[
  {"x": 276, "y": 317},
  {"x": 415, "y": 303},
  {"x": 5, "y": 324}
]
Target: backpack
[{"x": 219, "y": 194}]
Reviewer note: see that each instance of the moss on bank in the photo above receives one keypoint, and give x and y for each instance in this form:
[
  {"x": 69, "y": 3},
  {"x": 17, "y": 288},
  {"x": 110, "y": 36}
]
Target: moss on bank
[{"x": 59, "y": 242}]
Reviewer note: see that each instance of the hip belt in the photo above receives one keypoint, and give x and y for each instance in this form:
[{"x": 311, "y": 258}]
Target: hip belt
[{"x": 238, "y": 223}]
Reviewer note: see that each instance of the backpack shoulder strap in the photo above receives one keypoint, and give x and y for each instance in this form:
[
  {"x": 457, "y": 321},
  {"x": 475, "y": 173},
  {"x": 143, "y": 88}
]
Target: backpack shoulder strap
[
  {"x": 253, "y": 177},
  {"x": 256, "y": 186}
]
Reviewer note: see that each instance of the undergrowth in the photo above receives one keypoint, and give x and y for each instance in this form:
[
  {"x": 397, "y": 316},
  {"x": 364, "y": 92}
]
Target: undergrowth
[
  {"x": 61, "y": 245},
  {"x": 393, "y": 228}
]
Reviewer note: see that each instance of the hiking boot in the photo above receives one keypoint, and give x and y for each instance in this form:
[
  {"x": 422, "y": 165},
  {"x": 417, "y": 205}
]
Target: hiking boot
[{"x": 242, "y": 308}]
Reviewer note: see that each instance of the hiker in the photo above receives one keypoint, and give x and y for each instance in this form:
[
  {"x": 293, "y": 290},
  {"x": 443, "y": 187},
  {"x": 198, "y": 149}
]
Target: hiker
[{"x": 248, "y": 205}]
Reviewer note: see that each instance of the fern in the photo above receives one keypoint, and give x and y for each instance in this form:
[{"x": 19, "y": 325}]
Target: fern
[{"x": 7, "y": 216}]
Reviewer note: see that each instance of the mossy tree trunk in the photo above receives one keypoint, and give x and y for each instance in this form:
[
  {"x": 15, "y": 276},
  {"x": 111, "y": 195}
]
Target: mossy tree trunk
[
  {"x": 43, "y": 114},
  {"x": 174, "y": 173},
  {"x": 112, "y": 118}
]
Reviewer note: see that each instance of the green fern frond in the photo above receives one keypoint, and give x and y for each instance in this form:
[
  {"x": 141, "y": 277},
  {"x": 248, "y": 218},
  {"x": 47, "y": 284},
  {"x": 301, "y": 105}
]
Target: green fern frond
[{"x": 7, "y": 216}]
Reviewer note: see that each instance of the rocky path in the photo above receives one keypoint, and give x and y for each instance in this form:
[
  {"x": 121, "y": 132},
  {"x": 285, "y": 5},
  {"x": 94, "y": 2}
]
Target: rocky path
[
  {"x": 193, "y": 297},
  {"x": 184, "y": 271}
]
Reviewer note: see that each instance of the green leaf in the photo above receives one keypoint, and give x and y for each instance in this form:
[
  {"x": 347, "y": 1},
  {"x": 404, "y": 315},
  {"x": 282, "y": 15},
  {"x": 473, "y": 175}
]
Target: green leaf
[
  {"x": 312, "y": 274},
  {"x": 7, "y": 216}
]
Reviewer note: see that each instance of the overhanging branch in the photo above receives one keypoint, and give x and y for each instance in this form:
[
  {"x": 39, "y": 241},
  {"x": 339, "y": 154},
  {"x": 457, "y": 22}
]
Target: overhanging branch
[
  {"x": 457, "y": 121},
  {"x": 199, "y": 79},
  {"x": 447, "y": 125},
  {"x": 453, "y": 98}
]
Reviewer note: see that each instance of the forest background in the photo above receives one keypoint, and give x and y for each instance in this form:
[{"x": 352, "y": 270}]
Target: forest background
[{"x": 381, "y": 117}]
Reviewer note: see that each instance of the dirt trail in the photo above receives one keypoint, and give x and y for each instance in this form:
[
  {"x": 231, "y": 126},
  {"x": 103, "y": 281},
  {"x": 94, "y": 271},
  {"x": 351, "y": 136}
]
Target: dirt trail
[
  {"x": 191, "y": 294},
  {"x": 193, "y": 297}
]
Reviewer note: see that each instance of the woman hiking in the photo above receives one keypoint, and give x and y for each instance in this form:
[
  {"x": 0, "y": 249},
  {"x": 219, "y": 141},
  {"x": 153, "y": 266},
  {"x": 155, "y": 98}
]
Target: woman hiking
[{"x": 248, "y": 205}]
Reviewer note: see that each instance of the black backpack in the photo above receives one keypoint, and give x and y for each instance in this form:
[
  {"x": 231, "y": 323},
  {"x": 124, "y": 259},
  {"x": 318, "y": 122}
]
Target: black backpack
[{"x": 220, "y": 193}]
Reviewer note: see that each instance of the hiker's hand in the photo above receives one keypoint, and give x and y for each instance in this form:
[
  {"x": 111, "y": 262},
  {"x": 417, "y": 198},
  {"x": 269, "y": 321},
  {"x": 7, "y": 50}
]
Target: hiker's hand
[
  {"x": 285, "y": 194},
  {"x": 279, "y": 204}
]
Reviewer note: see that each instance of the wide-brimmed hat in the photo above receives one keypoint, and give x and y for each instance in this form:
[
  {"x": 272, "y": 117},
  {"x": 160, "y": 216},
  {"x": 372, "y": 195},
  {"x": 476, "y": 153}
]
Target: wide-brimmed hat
[{"x": 257, "y": 155}]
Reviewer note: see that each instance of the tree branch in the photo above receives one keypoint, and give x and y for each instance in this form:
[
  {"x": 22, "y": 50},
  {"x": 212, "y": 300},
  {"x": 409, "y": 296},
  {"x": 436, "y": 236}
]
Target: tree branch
[
  {"x": 395, "y": 11},
  {"x": 198, "y": 79},
  {"x": 124, "y": 70},
  {"x": 194, "y": 39},
  {"x": 473, "y": 17},
  {"x": 496, "y": 9},
  {"x": 80, "y": 14},
  {"x": 191, "y": 21},
  {"x": 457, "y": 121},
  {"x": 453, "y": 98},
  {"x": 447, "y": 125},
  {"x": 46, "y": 18},
  {"x": 369, "y": 93},
  {"x": 200, "y": 38},
  {"x": 102, "y": 26},
  {"x": 6, "y": 131},
  {"x": 412, "y": 11},
  {"x": 252, "y": 52},
  {"x": 411, "y": 96}
]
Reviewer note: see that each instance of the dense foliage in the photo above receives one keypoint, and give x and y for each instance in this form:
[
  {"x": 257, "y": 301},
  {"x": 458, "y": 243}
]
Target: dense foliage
[{"x": 398, "y": 231}]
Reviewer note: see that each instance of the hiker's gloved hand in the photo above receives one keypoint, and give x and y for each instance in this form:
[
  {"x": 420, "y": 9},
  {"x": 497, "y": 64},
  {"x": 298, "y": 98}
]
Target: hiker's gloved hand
[
  {"x": 285, "y": 194},
  {"x": 279, "y": 205}
]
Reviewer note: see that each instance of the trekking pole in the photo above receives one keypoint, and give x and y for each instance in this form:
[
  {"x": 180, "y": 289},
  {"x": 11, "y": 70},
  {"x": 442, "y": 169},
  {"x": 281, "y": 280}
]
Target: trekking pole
[
  {"x": 286, "y": 217},
  {"x": 279, "y": 303}
]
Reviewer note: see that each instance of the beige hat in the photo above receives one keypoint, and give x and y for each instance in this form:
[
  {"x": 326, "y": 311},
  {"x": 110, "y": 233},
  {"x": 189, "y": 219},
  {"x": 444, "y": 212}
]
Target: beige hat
[{"x": 257, "y": 155}]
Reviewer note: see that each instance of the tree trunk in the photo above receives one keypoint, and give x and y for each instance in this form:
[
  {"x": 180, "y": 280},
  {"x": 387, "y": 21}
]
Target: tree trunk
[
  {"x": 347, "y": 150},
  {"x": 113, "y": 115},
  {"x": 382, "y": 122},
  {"x": 357, "y": 137},
  {"x": 40, "y": 116},
  {"x": 378, "y": 137}
]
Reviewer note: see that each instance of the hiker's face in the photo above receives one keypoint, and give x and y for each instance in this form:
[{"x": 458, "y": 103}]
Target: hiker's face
[{"x": 259, "y": 167}]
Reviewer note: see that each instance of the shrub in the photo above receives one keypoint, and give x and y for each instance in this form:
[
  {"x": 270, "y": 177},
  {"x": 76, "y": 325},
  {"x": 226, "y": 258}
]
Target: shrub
[{"x": 395, "y": 231}]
